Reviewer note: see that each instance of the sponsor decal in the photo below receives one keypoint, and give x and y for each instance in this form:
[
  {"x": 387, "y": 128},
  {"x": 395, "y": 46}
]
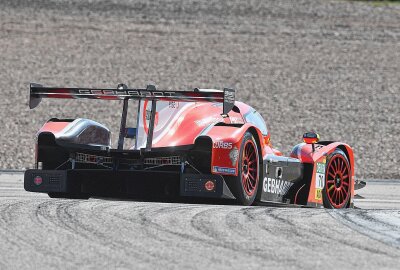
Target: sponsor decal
[
  {"x": 276, "y": 186},
  {"x": 207, "y": 121},
  {"x": 234, "y": 155},
  {"x": 318, "y": 194},
  {"x": 133, "y": 93},
  {"x": 236, "y": 120},
  {"x": 229, "y": 97},
  {"x": 224, "y": 170},
  {"x": 321, "y": 168},
  {"x": 173, "y": 105},
  {"x": 319, "y": 179},
  {"x": 222, "y": 145}
]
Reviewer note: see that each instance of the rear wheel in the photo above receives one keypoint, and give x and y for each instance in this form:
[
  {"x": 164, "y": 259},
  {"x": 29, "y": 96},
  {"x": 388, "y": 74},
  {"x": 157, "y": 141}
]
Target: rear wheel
[
  {"x": 69, "y": 195},
  {"x": 336, "y": 193},
  {"x": 244, "y": 186}
]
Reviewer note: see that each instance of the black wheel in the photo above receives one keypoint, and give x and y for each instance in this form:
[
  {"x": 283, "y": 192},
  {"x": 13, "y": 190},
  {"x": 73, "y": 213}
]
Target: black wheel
[
  {"x": 336, "y": 193},
  {"x": 244, "y": 186},
  {"x": 68, "y": 195}
]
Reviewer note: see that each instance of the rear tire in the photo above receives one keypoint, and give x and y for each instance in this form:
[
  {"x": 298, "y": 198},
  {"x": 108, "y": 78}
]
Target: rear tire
[
  {"x": 244, "y": 186},
  {"x": 60, "y": 195},
  {"x": 336, "y": 193}
]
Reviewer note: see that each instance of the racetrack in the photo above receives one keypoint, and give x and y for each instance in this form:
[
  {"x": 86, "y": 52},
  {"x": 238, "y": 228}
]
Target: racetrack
[
  {"x": 332, "y": 66},
  {"x": 39, "y": 232}
]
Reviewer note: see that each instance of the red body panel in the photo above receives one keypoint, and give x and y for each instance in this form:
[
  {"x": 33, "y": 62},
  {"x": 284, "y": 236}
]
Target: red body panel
[
  {"x": 196, "y": 120},
  {"x": 53, "y": 127},
  {"x": 191, "y": 122}
]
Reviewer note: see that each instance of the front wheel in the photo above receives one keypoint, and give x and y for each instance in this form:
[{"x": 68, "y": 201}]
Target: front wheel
[
  {"x": 244, "y": 186},
  {"x": 336, "y": 193}
]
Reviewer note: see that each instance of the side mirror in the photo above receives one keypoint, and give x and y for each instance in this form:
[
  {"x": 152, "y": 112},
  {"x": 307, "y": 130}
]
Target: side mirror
[
  {"x": 130, "y": 133},
  {"x": 311, "y": 138}
]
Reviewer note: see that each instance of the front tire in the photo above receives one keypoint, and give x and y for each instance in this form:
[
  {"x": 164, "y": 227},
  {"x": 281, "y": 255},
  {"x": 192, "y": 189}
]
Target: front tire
[
  {"x": 336, "y": 193},
  {"x": 244, "y": 186}
]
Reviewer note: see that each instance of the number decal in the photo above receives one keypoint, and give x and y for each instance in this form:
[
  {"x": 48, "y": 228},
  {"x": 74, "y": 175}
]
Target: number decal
[
  {"x": 173, "y": 105},
  {"x": 319, "y": 180}
]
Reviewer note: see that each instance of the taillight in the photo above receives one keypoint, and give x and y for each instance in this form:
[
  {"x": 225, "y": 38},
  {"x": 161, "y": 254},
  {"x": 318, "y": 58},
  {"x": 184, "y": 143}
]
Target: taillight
[
  {"x": 209, "y": 185},
  {"x": 38, "y": 180}
]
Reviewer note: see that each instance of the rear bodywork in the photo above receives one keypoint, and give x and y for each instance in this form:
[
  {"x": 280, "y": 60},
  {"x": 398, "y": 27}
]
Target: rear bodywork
[{"x": 185, "y": 144}]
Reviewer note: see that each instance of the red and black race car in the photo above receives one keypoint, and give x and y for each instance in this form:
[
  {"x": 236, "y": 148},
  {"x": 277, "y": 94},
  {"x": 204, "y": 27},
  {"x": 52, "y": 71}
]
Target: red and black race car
[{"x": 199, "y": 143}]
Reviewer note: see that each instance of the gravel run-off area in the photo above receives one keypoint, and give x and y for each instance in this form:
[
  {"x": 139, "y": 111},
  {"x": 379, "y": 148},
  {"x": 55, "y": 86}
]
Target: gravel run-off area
[{"x": 330, "y": 66}]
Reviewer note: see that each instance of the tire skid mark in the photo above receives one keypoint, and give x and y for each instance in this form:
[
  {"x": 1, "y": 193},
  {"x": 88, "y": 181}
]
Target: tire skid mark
[
  {"x": 6, "y": 218},
  {"x": 271, "y": 220},
  {"x": 123, "y": 244},
  {"x": 69, "y": 221},
  {"x": 147, "y": 220},
  {"x": 25, "y": 240},
  {"x": 328, "y": 239},
  {"x": 200, "y": 222},
  {"x": 147, "y": 225},
  {"x": 44, "y": 217},
  {"x": 231, "y": 231},
  {"x": 295, "y": 231},
  {"x": 148, "y": 217},
  {"x": 240, "y": 234},
  {"x": 141, "y": 213},
  {"x": 55, "y": 223},
  {"x": 366, "y": 223}
]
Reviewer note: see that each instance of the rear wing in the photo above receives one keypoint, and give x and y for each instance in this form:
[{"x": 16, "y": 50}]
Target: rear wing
[{"x": 122, "y": 92}]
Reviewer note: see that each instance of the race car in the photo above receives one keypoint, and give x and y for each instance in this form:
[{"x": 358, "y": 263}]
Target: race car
[{"x": 200, "y": 143}]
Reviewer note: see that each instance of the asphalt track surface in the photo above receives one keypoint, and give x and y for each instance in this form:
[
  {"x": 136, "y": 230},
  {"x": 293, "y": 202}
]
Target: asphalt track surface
[{"x": 41, "y": 233}]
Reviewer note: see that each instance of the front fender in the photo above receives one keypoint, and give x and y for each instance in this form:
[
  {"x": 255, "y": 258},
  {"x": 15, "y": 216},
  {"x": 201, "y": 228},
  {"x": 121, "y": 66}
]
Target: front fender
[{"x": 305, "y": 154}]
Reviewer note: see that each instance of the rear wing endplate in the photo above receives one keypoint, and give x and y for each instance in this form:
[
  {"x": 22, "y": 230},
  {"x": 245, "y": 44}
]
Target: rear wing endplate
[{"x": 122, "y": 92}]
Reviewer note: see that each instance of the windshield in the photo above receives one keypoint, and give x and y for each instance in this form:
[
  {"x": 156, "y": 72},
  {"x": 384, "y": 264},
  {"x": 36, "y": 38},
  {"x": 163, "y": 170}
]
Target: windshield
[{"x": 255, "y": 118}]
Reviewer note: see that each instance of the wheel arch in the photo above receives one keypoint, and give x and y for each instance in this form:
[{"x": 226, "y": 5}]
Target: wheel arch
[
  {"x": 343, "y": 148},
  {"x": 348, "y": 151},
  {"x": 256, "y": 136}
]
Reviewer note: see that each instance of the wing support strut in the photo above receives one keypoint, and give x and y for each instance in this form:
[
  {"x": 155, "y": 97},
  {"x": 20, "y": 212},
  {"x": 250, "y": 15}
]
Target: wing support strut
[
  {"x": 151, "y": 125},
  {"x": 122, "y": 128}
]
